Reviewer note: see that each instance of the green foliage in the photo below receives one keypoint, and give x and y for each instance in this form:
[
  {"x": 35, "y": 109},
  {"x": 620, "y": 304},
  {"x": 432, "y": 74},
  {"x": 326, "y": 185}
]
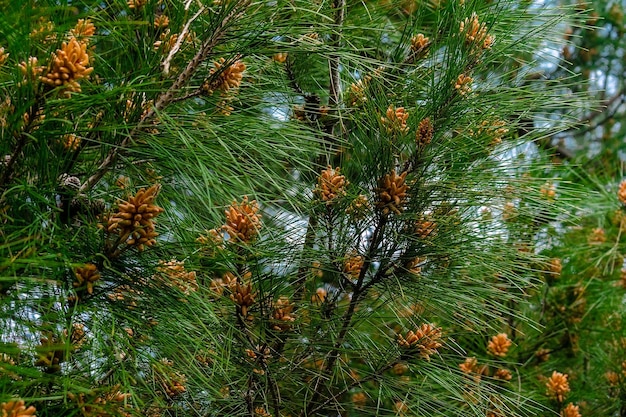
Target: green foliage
[{"x": 399, "y": 215}]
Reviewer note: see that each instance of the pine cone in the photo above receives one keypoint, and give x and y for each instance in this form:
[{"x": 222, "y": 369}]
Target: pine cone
[
  {"x": 426, "y": 339},
  {"x": 475, "y": 32},
  {"x": 86, "y": 276},
  {"x": 499, "y": 345},
  {"x": 178, "y": 276},
  {"x": 242, "y": 221},
  {"x": 395, "y": 122},
  {"x": 133, "y": 222},
  {"x": 3, "y": 56},
  {"x": 224, "y": 79},
  {"x": 69, "y": 65},
  {"x": 557, "y": 385},
  {"x": 283, "y": 314},
  {"x": 243, "y": 296},
  {"x": 172, "y": 382},
  {"x": 571, "y": 411},
  {"x": 392, "y": 192},
  {"x": 330, "y": 185},
  {"x": 419, "y": 43},
  {"x": 424, "y": 134},
  {"x": 17, "y": 409},
  {"x": 621, "y": 193},
  {"x": 352, "y": 266},
  {"x": 503, "y": 375},
  {"x": 83, "y": 30}
]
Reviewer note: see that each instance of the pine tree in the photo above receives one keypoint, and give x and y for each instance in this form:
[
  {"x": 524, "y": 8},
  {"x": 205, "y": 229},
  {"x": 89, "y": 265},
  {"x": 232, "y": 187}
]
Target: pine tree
[{"x": 273, "y": 208}]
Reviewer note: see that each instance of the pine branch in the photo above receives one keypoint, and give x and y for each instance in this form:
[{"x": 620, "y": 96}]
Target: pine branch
[
  {"x": 168, "y": 96},
  {"x": 347, "y": 317},
  {"x": 354, "y": 384},
  {"x": 334, "y": 90}
]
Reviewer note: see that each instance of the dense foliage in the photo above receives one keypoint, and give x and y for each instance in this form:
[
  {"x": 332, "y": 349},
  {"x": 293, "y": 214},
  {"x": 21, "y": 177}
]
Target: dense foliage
[{"x": 302, "y": 208}]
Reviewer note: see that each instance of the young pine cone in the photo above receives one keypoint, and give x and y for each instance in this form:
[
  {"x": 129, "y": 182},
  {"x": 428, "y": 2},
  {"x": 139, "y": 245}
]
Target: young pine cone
[
  {"x": 283, "y": 314},
  {"x": 133, "y": 222},
  {"x": 499, "y": 345},
  {"x": 178, "y": 276},
  {"x": 426, "y": 339},
  {"x": 392, "y": 192},
  {"x": 86, "y": 276},
  {"x": 557, "y": 386},
  {"x": 242, "y": 221},
  {"x": 330, "y": 185},
  {"x": 225, "y": 78},
  {"x": 424, "y": 134},
  {"x": 69, "y": 65},
  {"x": 621, "y": 193},
  {"x": 395, "y": 120},
  {"x": 17, "y": 409},
  {"x": 172, "y": 382},
  {"x": 243, "y": 296}
]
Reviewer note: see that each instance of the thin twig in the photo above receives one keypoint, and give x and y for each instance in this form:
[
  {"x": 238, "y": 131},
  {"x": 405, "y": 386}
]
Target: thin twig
[
  {"x": 333, "y": 62},
  {"x": 22, "y": 140},
  {"x": 352, "y": 385},
  {"x": 179, "y": 40},
  {"x": 348, "y": 315},
  {"x": 196, "y": 93},
  {"x": 309, "y": 240}
]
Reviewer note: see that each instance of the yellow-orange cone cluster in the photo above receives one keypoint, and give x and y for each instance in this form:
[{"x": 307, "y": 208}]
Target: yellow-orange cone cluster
[
  {"x": 16, "y": 408},
  {"x": 356, "y": 94},
  {"x": 51, "y": 353},
  {"x": 86, "y": 276},
  {"x": 283, "y": 314},
  {"x": 352, "y": 266},
  {"x": 571, "y": 411},
  {"x": 558, "y": 386},
  {"x": 90, "y": 406},
  {"x": 30, "y": 70},
  {"x": 621, "y": 193},
  {"x": 475, "y": 32},
  {"x": 133, "y": 222},
  {"x": 243, "y": 221},
  {"x": 83, "y": 30},
  {"x": 419, "y": 43},
  {"x": 223, "y": 78},
  {"x": 161, "y": 22},
  {"x": 424, "y": 134},
  {"x": 136, "y": 4},
  {"x": 426, "y": 338},
  {"x": 471, "y": 367},
  {"x": 260, "y": 355},
  {"x": 392, "y": 193},
  {"x": 330, "y": 185},
  {"x": 243, "y": 296},
  {"x": 3, "y": 56},
  {"x": 69, "y": 65},
  {"x": 395, "y": 120},
  {"x": 179, "y": 277},
  {"x": 503, "y": 375},
  {"x": 499, "y": 345},
  {"x": 172, "y": 382},
  {"x": 463, "y": 84}
]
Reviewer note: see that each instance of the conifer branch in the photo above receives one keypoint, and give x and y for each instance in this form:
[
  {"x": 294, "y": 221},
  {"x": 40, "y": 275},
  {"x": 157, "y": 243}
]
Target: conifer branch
[
  {"x": 309, "y": 240},
  {"x": 354, "y": 384},
  {"x": 357, "y": 295},
  {"x": 168, "y": 96},
  {"x": 334, "y": 90},
  {"x": 179, "y": 40},
  {"x": 22, "y": 140}
]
